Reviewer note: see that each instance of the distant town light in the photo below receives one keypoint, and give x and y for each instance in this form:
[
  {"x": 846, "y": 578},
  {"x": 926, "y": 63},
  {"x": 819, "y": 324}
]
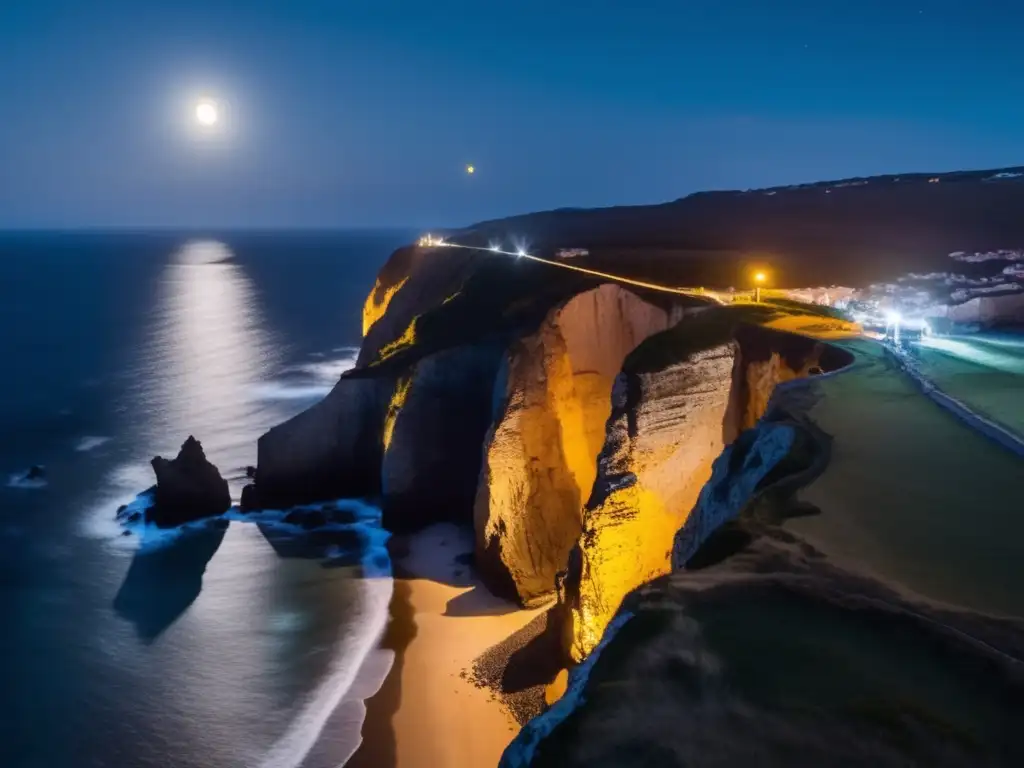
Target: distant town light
[
  {"x": 429, "y": 241},
  {"x": 494, "y": 247},
  {"x": 520, "y": 252}
]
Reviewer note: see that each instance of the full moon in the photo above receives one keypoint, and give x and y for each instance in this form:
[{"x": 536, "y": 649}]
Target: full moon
[{"x": 206, "y": 113}]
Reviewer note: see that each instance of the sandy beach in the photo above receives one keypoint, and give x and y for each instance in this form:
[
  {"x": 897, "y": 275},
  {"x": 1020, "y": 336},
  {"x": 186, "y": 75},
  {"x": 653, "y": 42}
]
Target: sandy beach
[{"x": 429, "y": 712}]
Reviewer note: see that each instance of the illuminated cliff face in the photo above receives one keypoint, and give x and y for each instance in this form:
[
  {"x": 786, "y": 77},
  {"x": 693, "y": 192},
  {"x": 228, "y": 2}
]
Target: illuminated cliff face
[
  {"x": 763, "y": 376},
  {"x": 663, "y": 435},
  {"x": 541, "y": 456},
  {"x": 666, "y": 430},
  {"x": 376, "y": 303}
]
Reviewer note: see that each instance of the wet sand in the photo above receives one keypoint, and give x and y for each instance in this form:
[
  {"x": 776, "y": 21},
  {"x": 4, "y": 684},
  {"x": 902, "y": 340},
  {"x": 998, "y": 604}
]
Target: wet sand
[{"x": 430, "y": 713}]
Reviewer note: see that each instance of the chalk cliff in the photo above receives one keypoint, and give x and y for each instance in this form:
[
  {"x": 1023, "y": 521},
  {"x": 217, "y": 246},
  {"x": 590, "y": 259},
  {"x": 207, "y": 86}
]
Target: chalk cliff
[
  {"x": 758, "y": 648},
  {"x": 668, "y": 425},
  {"x": 553, "y": 397}
]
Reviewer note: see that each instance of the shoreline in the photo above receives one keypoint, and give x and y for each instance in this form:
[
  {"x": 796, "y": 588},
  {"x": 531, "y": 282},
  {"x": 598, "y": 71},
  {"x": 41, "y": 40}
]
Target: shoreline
[{"x": 431, "y": 711}]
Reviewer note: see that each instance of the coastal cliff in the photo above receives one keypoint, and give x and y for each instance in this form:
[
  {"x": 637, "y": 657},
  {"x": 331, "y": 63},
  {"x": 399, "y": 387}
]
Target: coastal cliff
[
  {"x": 553, "y": 398},
  {"x": 758, "y": 648},
  {"x": 628, "y": 453},
  {"x": 671, "y": 419},
  {"x": 575, "y": 445}
]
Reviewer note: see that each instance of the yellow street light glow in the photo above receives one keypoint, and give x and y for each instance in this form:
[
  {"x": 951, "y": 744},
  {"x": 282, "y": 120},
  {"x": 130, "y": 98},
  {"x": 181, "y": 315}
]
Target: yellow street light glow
[{"x": 760, "y": 277}]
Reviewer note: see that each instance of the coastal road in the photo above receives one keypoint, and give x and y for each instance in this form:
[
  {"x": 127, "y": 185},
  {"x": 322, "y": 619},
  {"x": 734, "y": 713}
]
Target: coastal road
[
  {"x": 522, "y": 254},
  {"x": 984, "y": 370}
]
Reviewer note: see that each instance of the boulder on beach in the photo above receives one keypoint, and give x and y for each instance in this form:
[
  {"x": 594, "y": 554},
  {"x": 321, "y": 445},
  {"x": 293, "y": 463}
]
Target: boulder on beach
[{"x": 187, "y": 488}]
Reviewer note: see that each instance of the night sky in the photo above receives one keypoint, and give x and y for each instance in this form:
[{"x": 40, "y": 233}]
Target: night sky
[{"x": 366, "y": 112}]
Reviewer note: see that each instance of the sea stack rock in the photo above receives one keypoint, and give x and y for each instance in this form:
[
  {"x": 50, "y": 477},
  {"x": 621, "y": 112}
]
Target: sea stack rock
[{"x": 187, "y": 488}]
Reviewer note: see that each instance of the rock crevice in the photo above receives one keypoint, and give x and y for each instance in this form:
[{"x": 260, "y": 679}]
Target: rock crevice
[
  {"x": 667, "y": 428},
  {"x": 552, "y": 401}
]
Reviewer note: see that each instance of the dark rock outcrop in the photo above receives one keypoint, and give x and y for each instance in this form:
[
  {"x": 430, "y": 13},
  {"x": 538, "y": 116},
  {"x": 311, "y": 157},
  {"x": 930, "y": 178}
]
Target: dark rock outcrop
[
  {"x": 432, "y": 451},
  {"x": 329, "y": 451},
  {"x": 188, "y": 488},
  {"x": 318, "y": 516}
]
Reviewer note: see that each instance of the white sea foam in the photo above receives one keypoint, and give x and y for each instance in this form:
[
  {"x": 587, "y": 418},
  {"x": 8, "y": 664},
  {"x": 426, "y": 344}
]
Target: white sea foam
[
  {"x": 358, "y": 667},
  {"x": 342, "y": 732},
  {"x": 302, "y": 735},
  {"x": 356, "y": 672},
  {"x": 280, "y": 391},
  {"x": 308, "y": 380},
  {"x": 328, "y": 370},
  {"x": 89, "y": 442},
  {"x": 123, "y": 485},
  {"x": 18, "y": 480}
]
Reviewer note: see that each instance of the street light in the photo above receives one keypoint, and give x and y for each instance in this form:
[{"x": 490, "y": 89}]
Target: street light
[{"x": 759, "y": 279}]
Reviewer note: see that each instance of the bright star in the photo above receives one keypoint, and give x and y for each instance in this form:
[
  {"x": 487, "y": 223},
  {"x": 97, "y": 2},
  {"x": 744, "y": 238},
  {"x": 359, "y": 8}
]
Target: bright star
[{"x": 470, "y": 170}]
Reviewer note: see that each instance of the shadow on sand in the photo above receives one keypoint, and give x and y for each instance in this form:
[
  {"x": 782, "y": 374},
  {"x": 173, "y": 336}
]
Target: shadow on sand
[{"x": 160, "y": 585}]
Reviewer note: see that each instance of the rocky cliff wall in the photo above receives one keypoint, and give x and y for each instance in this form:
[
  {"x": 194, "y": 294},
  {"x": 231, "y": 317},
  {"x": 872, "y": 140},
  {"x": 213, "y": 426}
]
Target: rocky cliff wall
[
  {"x": 411, "y": 438},
  {"x": 665, "y": 431},
  {"x": 667, "y": 428},
  {"x": 413, "y": 281},
  {"x": 433, "y": 441},
  {"x": 552, "y": 401},
  {"x": 759, "y": 649},
  {"x": 331, "y": 450}
]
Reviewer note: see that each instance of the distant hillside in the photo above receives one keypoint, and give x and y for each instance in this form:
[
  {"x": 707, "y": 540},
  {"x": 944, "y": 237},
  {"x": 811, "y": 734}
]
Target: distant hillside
[{"x": 851, "y": 231}]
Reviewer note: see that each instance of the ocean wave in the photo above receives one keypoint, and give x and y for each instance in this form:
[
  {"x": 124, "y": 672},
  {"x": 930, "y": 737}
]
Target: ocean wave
[
  {"x": 19, "y": 480},
  {"x": 358, "y": 667},
  {"x": 284, "y": 391},
  {"x": 89, "y": 442},
  {"x": 340, "y": 684},
  {"x": 341, "y": 734},
  {"x": 198, "y": 252},
  {"x": 121, "y": 488},
  {"x": 308, "y": 380}
]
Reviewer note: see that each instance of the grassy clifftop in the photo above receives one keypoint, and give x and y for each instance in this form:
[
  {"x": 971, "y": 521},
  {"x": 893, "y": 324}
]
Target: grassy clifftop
[{"x": 717, "y": 325}]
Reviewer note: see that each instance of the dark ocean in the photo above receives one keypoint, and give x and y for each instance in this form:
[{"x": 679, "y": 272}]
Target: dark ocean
[{"x": 230, "y": 645}]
